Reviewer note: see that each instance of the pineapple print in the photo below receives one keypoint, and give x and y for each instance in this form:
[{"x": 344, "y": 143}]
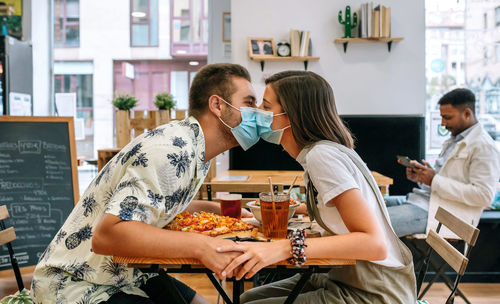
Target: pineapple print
[{"x": 76, "y": 238}]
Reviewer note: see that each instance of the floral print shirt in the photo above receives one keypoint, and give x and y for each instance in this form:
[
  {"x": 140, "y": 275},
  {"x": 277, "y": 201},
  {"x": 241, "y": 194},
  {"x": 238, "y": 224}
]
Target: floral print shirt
[{"x": 151, "y": 180}]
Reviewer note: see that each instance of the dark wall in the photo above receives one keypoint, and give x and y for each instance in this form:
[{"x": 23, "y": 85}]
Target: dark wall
[{"x": 378, "y": 140}]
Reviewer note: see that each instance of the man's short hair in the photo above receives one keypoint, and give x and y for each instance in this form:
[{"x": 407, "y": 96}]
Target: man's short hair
[
  {"x": 459, "y": 98},
  {"x": 213, "y": 79}
]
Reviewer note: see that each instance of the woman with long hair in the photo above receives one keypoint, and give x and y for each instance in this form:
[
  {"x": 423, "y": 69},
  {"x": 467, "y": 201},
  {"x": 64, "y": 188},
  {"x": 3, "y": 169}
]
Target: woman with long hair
[{"x": 342, "y": 197}]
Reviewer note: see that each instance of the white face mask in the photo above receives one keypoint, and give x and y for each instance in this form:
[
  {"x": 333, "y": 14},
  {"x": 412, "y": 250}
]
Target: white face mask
[{"x": 264, "y": 121}]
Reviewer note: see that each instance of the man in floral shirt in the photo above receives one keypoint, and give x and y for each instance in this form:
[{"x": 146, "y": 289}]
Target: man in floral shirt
[{"x": 143, "y": 188}]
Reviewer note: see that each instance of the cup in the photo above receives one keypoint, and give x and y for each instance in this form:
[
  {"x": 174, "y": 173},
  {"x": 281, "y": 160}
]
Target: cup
[
  {"x": 230, "y": 205},
  {"x": 274, "y": 220}
]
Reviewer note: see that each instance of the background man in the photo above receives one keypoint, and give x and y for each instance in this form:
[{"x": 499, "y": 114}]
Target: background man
[{"x": 464, "y": 177}]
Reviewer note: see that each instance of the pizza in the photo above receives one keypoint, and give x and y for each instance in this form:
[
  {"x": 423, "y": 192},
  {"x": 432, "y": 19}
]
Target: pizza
[{"x": 210, "y": 224}]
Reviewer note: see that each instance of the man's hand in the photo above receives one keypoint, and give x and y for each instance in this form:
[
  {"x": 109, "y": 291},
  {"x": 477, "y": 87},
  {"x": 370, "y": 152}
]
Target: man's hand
[
  {"x": 411, "y": 174},
  {"x": 215, "y": 260},
  {"x": 425, "y": 174},
  {"x": 255, "y": 256}
]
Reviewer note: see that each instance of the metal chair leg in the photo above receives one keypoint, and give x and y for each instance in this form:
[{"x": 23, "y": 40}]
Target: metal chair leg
[
  {"x": 219, "y": 288},
  {"x": 306, "y": 275},
  {"x": 423, "y": 270},
  {"x": 434, "y": 278},
  {"x": 169, "y": 284}
]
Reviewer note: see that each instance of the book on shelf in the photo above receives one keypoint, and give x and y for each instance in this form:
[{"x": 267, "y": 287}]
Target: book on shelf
[
  {"x": 376, "y": 22},
  {"x": 305, "y": 37},
  {"x": 362, "y": 21},
  {"x": 369, "y": 11},
  {"x": 300, "y": 43},
  {"x": 386, "y": 22},
  {"x": 294, "y": 42}
]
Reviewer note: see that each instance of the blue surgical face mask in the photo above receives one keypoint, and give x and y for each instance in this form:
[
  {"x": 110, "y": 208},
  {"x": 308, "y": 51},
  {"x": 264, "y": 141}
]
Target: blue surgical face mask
[
  {"x": 264, "y": 121},
  {"x": 246, "y": 132}
]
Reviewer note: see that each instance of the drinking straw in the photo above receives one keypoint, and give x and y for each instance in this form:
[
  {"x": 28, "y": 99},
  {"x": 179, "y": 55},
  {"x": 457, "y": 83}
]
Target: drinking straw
[
  {"x": 291, "y": 186},
  {"x": 272, "y": 198}
]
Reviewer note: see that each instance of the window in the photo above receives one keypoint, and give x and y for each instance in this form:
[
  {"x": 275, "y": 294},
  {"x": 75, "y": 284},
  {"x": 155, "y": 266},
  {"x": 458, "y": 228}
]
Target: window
[
  {"x": 144, "y": 22},
  {"x": 82, "y": 86},
  {"x": 497, "y": 52},
  {"x": 497, "y": 16},
  {"x": 469, "y": 57},
  {"x": 153, "y": 77},
  {"x": 67, "y": 23},
  {"x": 189, "y": 27}
]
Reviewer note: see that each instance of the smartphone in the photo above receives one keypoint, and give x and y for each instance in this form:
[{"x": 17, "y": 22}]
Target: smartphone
[{"x": 405, "y": 161}]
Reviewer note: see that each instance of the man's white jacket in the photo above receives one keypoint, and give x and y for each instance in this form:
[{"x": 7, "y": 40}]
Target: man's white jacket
[{"x": 467, "y": 181}]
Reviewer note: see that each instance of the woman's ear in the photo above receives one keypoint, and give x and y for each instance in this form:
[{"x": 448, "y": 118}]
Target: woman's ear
[{"x": 214, "y": 105}]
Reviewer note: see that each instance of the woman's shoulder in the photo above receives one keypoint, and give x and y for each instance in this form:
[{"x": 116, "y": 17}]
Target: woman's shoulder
[{"x": 323, "y": 154}]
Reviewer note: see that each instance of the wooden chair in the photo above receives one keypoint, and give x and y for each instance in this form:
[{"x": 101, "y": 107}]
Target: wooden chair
[
  {"x": 448, "y": 253},
  {"x": 6, "y": 236},
  {"x": 210, "y": 189}
]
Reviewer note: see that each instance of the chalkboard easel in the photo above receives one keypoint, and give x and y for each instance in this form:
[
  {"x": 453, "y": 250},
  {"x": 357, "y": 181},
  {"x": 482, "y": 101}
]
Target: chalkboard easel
[{"x": 38, "y": 183}]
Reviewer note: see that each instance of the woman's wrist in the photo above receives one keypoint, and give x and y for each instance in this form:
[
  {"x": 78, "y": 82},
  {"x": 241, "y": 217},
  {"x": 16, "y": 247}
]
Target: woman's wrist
[{"x": 298, "y": 245}]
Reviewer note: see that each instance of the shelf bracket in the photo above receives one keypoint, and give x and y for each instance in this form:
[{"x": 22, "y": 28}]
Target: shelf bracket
[
  {"x": 389, "y": 44},
  {"x": 305, "y": 65},
  {"x": 262, "y": 65},
  {"x": 345, "y": 46}
]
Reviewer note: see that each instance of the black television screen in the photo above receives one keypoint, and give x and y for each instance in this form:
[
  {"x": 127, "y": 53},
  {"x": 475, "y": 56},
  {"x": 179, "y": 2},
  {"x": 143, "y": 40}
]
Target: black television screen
[{"x": 378, "y": 140}]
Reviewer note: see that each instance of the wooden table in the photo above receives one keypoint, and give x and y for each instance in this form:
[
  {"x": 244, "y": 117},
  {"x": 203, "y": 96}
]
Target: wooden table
[
  {"x": 185, "y": 265},
  {"x": 286, "y": 177}
]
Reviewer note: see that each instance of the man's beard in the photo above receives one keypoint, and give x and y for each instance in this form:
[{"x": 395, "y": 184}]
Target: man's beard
[{"x": 228, "y": 118}]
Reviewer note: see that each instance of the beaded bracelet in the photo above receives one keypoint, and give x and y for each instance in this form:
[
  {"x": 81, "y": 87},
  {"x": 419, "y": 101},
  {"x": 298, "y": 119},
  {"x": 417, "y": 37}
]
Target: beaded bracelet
[{"x": 297, "y": 239}]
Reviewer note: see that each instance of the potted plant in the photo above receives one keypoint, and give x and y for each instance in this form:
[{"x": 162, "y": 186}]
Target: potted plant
[
  {"x": 123, "y": 102},
  {"x": 164, "y": 102}
]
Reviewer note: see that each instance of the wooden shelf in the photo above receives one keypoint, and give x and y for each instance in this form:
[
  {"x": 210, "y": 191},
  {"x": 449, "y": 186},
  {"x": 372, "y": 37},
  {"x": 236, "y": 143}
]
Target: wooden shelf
[
  {"x": 263, "y": 59},
  {"x": 388, "y": 40}
]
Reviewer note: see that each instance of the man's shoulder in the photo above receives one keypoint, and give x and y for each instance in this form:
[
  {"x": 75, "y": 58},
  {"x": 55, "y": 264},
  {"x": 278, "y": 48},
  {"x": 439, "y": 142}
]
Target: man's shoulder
[{"x": 480, "y": 138}]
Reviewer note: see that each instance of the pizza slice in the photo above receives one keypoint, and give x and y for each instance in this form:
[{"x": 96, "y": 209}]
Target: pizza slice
[{"x": 211, "y": 224}]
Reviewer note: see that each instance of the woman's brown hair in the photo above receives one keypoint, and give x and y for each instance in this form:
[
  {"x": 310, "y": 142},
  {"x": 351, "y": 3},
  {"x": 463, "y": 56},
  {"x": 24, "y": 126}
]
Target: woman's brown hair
[{"x": 308, "y": 100}]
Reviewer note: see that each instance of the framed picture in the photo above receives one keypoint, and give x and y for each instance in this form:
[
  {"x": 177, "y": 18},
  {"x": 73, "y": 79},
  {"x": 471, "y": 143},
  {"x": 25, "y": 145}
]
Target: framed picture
[
  {"x": 226, "y": 27},
  {"x": 261, "y": 47}
]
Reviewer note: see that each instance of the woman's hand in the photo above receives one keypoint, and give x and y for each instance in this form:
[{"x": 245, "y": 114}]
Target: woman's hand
[
  {"x": 255, "y": 256},
  {"x": 216, "y": 260}
]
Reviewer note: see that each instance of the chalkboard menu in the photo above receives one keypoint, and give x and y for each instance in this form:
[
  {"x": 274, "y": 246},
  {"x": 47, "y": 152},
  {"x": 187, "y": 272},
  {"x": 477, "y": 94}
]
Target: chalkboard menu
[{"x": 38, "y": 181}]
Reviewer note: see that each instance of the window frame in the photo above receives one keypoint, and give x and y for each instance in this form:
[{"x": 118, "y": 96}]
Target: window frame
[
  {"x": 66, "y": 24},
  {"x": 192, "y": 48},
  {"x": 497, "y": 16},
  {"x": 148, "y": 23}
]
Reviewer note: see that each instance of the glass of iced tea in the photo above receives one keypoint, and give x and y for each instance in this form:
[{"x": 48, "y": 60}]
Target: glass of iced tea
[
  {"x": 230, "y": 205},
  {"x": 274, "y": 219}
]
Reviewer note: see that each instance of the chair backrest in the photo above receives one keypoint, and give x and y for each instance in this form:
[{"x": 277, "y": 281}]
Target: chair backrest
[
  {"x": 465, "y": 231},
  {"x": 244, "y": 188},
  {"x": 450, "y": 254},
  {"x": 6, "y": 236}
]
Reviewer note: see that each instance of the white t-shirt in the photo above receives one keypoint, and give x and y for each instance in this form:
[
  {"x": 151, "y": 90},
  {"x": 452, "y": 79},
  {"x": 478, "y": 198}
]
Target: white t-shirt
[{"x": 332, "y": 173}]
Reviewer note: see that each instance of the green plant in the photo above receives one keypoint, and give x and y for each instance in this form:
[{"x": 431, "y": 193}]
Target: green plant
[
  {"x": 164, "y": 101},
  {"x": 124, "y": 102}
]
